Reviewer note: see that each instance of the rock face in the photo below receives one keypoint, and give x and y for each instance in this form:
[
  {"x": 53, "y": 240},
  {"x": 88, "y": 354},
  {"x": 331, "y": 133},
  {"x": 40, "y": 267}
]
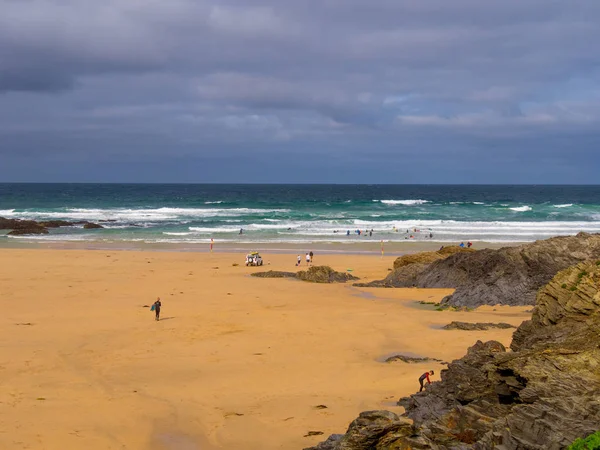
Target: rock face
[
  {"x": 476, "y": 326},
  {"x": 429, "y": 257},
  {"x": 369, "y": 431},
  {"x": 541, "y": 396},
  {"x": 509, "y": 276},
  {"x": 315, "y": 274}
]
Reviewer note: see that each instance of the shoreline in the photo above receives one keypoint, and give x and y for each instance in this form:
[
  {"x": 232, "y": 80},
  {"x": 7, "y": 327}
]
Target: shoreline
[{"x": 357, "y": 248}]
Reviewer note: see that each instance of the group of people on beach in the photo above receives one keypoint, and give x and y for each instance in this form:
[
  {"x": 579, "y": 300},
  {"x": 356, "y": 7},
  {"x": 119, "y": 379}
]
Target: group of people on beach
[{"x": 308, "y": 258}]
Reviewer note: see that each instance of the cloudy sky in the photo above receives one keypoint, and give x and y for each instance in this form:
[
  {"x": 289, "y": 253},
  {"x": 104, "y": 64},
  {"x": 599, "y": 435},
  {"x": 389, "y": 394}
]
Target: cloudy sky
[{"x": 366, "y": 91}]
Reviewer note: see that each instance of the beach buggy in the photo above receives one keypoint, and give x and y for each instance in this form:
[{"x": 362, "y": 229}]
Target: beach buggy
[{"x": 254, "y": 259}]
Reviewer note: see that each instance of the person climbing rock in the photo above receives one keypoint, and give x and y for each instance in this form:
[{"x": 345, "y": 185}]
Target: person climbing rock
[{"x": 424, "y": 377}]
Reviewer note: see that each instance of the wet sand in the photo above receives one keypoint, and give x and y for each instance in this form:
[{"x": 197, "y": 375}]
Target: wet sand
[
  {"x": 237, "y": 362},
  {"x": 354, "y": 246}
]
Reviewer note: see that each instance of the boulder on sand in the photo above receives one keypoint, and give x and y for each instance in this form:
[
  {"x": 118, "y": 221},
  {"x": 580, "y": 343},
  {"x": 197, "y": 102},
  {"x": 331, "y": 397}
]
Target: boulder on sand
[
  {"x": 543, "y": 394},
  {"x": 274, "y": 274},
  {"x": 324, "y": 274},
  {"x": 315, "y": 274}
]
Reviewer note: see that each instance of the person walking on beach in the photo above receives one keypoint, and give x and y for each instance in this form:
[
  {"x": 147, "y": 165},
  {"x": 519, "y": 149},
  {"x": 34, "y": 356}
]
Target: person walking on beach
[
  {"x": 156, "y": 306},
  {"x": 299, "y": 260},
  {"x": 311, "y": 254},
  {"x": 424, "y": 377},
  {"x": 307, "y": 259}
]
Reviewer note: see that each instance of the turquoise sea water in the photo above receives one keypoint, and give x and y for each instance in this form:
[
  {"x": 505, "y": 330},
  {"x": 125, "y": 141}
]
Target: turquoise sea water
[{"x": 304, "y": 213}]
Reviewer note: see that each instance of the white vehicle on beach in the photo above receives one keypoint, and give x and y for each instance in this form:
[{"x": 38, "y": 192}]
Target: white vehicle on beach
[{"x": 254, "y": 259}]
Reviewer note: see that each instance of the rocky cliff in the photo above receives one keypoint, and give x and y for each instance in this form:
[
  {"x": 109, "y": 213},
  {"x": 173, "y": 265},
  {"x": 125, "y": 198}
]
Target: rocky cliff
[
  {"x": 509, "y": 276},
  {"x": 541, "y": 396}
]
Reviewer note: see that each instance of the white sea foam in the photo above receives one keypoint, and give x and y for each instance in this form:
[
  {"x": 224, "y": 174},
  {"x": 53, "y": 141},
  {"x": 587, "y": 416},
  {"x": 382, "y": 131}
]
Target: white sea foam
[
  {"x": 521, "y": 208},
  {"x": 214, "y": 203},
  {"x": 131, "y": 215},
  {"x": 215, "y": 229},
  {"x": 566, "y": 205},
  {"x": 403, "y": 202},
  {"x": 467, "y": 203}
]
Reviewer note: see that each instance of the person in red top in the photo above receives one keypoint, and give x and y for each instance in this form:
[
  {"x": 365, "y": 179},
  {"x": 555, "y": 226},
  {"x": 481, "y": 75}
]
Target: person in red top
[{"x": 424, "y": 377}]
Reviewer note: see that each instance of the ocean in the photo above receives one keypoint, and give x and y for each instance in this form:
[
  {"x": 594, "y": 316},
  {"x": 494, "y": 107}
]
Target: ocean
[{"x": 299, "y": 214}]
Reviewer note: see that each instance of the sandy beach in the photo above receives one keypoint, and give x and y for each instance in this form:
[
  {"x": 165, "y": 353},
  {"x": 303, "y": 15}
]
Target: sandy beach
[{"x": 236, "y": 362}]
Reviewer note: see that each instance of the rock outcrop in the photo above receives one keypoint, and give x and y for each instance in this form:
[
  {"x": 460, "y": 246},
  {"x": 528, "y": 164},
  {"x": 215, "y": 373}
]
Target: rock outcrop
[
  {"x": 274, "y": 274},
  {"x": 315, "y": 274},
  {"x": 34, "y": 229},
  {"x": 542, "y": 395},
  {"x": 509, "y": 276},
  {"x": 324, "y": 274},
  {"x": 429, "y": 257},
  {"x": 25, "y": 227},
  {"x": 368, "y": 431},
  {"x": 92, "y": 226},
  {"x": 410, "y": 359},
  {"x": 466, "y": 326}
]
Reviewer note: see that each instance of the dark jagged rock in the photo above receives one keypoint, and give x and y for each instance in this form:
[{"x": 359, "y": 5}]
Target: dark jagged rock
[
  {"x": 92, "y": 226},
  {"x": 429, "y": 257},
  {"x": 17, "y": 224},
  {"x": 476, "y": 326},
  {"x": 366, "y": 432},
  {"x": 24, "y": 227},
  {"x": 315, "y": 274},
  {"x": 34, "y": 229},
  {"x": 274, "y": 274},
  {"x": 542, "y": 395},
  {"x": 409, "y": 359},
  {"x": 324, "y": 274},
  {"x": 509, "y": 276}
]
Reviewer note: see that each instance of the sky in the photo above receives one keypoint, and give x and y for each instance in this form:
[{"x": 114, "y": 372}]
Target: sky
[{"x": 300, "y": 91}]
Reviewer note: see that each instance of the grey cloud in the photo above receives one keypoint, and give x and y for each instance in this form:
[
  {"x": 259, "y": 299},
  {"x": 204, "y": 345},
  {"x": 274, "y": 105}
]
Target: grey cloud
[{"x": 397, "y": 77}]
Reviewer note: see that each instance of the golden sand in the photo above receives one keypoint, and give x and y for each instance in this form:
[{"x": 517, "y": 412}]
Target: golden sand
[{"x": 236, "y": 362}]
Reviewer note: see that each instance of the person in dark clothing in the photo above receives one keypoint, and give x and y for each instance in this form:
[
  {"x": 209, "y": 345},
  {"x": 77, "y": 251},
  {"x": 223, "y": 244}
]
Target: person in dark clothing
[
  {"x": 311, "y": 254},
  {"x": 157, "y": 305},
  {"x": 424, "y": 377}
]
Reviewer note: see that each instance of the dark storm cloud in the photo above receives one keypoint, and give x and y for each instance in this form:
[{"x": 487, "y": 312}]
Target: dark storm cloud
[{"x": 404, "y": 81}]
